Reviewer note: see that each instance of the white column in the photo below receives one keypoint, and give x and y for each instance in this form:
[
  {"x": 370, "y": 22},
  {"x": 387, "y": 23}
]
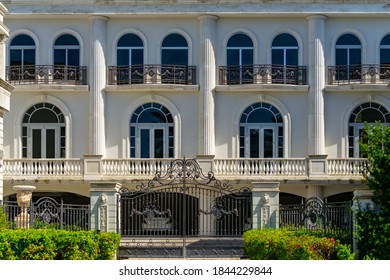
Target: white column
[
  {"x": 316, "y": 74},
  {"x": 207, "y": 78},
  {"x": 97, "y": 81}
]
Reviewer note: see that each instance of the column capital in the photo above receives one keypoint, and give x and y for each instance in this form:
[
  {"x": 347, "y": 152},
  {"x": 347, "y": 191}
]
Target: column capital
[
  {"x": 98, "y": 17},
  {"x": 317, "y": 16},
  {"x": 204, "y": 17}
]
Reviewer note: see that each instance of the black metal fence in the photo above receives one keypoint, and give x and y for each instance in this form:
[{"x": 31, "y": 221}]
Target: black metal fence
[
  {"x": 262, "y": 74},
  {"x": 152, "y": 74},
  {"x": 317, "y": 215},
  {"x": 46, "y": 212},
  {"x": 359, "y": 73}
]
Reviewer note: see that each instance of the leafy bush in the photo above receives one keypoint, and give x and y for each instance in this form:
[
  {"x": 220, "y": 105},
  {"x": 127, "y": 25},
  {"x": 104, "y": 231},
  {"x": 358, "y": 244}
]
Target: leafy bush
[
  {"x": 281, "y": 244},
  {"x": 3, "y": 218},
  {"x": 49, "y": 244}
]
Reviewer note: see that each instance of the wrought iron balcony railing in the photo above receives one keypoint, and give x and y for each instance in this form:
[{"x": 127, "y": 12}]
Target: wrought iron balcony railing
[
  {"x": 152, "y": 74},
  {"x": 262, "y": 74},
  {"x": 47, "y": 74},
  {"x": 359, "y": 73}
]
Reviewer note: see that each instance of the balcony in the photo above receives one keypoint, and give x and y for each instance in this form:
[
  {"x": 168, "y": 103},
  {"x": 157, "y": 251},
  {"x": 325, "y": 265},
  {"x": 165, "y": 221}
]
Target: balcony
[
  {"x": 262, "y": 74},
  {"x": 46, "y": 74},
  {"x": 361, "y": 74},
  {"x": 152, "y": 74},
  {"x": 142, "y": 169}
]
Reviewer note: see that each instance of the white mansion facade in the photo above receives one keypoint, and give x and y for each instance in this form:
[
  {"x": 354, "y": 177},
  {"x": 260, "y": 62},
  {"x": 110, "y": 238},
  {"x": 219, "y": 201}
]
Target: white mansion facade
[{"x": 261, "y": 91}]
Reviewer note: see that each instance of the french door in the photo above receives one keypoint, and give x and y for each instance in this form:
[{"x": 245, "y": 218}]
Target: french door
[
  {"x": 153, "y": 142},
  {"x": 44, "y": 141},
  {"x": 261, "y": 142}
]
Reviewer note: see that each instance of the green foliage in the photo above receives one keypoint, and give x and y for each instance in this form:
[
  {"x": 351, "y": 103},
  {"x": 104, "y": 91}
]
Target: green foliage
[
  {"x": 373, "y": 227},
  {"x": 281, "y": 244},
  {"x": 3, "y": 218},
  {"x": 51, "y": 244}
]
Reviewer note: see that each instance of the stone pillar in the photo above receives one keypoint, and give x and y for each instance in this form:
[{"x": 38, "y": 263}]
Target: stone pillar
[
  {"x": 315, "y": 191},
  {"x": 104, "y": 206},
  {"x": 316, "y": 75},
  {"x": 362, "y": 200},
  {"x": 207, "y": 77},
  {"x": 23, "y": 197},
  {"x": 206, "y": 163},
  {"x": 265, "y": 205},
  {"x": 97, "y": 82}
]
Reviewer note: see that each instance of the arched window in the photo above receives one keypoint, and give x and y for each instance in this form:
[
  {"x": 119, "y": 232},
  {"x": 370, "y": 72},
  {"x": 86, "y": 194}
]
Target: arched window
[
  {"x": 151, "y": 132},
  {"x": 284, "y": 58},
  {"x": 43, "y": 132},
  {"x": 385, "y": 57},
  {"x": 174, "y": 59},
  {"x": 22, "y": 58},
  {"x": 365, "y": 113},
  {"x": 66, "y": 58},
  {"x": 130, "y": 59},
  {"x": 348, "y": 58},
  {"x": 261, "y": 132},
  {"x": 239, "y": 52}
]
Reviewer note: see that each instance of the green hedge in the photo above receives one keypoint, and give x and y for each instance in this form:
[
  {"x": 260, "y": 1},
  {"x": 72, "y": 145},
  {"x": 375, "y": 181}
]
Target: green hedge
[
  {"x": 51, "y": 244},
  {"x": 281, "y": 244}
]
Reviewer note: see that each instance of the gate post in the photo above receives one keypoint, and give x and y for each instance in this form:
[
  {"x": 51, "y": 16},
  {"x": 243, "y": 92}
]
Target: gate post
[
  {"x": 265, "y": 205},
  {"x": 362, "y": 199},
  {"x": 104, "y": 202}
]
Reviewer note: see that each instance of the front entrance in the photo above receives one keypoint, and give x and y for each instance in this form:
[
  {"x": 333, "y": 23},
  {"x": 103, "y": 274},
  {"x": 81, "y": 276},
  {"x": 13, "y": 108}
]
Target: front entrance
[{"x": 183, "y": 214}]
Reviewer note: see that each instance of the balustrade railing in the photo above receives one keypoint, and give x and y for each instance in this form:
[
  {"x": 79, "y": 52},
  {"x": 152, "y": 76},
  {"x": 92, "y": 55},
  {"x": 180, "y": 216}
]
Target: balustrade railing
[
  {"x": 262, "y": 74},
  {"x": 269, "y": 167},
  {"x": 128, "y": 167},
  {"x": 152, "y": 74},
  {"x": 46, "y": 168},
  {"x": 47, "y": 74},
  {"x": 360, "y": 73},
  {"x": 42, "y": 167}
]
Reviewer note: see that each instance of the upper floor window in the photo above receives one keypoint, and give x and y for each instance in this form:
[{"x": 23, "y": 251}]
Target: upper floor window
[
  {"x": 66, "y": 51},
  {"x": 22, "y": 58},
  {"x": 348, "y": 50},
  {"x": 284, "y": 58},
  {"x": 369, "y": 113},
  {"x": 261, "y": 132},
  {"x": 43, "y": 132},
  {"x": 174, "y": 50},
  {"x": 151, "y": 132},
  {"x": 385, "y": 57},
  {"x": 130, "y": 50},
  {"x": 239, "y": 52}
]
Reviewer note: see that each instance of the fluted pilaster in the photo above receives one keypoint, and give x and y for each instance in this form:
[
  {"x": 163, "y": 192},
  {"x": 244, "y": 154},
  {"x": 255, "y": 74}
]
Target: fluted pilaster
[
  {"x": 316, "y": 75},
  {"x": 207, "y": 77},
  {"x": 98, "y": 25}
]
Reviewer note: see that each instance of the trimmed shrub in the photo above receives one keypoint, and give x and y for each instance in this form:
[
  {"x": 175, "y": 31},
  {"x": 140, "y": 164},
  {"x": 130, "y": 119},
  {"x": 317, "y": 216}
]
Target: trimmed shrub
[
  {"x": 50, "y": 244},
  {"x": 281, "y": 244}
]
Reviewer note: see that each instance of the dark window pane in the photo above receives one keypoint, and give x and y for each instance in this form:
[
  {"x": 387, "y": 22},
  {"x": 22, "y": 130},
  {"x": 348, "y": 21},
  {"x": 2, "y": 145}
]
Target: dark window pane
[
  {"x": 50, "y": 143},
  {"x": 284, "y": 40},
  {"x": 59, "y": 57},
  {"x": 254, "y": 143},
  {"x": 15, "y": 57},
  {"x": 261, "y": 116},
  {"x": 36, "y": 143},
  {"x": 151, "y": 116},
  {"x": 233, "y": 57},
  {"x": 386, "y": 40},
  {"x": 174, "y": 57},
  {"x": 43, "y": 116},
  {"x": 145, "y": 143},
  {"x": 277, "y": 57},
  {"x": 122, "y": 57},
  {"x": 292, "y": 57},
  {"x": 158, "y": 143},
  {"x": 29, "y": 57},
  {"x": 174, "y": 40},
  {"x": 240, "y": 40},
  {"x": 268, "y": 143},
  {"x": 66, "y": 40},
  {"x": 370, "y": 116},
  {"x": 341, "y": 57},
  {"x": 247, "y": 57},
  {"x": 130, "y": 40},
  {"x": 73, "y": 58},
  {"x": 355, "y": 56},
  {"x": 137, "y": 57},
  {"x": 22, "y": 40},
  {"x": 348, "y": 39}
]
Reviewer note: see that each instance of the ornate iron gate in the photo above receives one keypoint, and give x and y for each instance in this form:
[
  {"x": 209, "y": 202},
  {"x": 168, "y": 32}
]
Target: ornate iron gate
[{"x": 183, "y": 213}]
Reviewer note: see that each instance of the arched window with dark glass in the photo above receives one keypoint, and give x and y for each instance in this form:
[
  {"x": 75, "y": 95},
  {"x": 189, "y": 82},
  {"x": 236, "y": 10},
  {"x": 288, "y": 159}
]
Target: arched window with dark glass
[
  {"x": 174, "y": 59},
  {"x": 22, "y": 58},
  {"x": 66, "y": 57},
  {"x": 284, "y": 59},
  {"x": 130, "y": 59},
  {"x": 261, "y": 132},
  {"x": 239, "y": 59},
  {"x": 43, "y": 132},
  {"x": 385, "y": 57},
  {"x": 152, "y": 132},
  {"x": 369, "y": 113},
  {"x": 348, "y": 58}
]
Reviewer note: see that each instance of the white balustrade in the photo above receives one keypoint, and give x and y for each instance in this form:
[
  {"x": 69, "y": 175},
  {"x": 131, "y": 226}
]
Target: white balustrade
[
  {"x": 128, "y": 167},
  {"x": 344, "y": 167}
]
